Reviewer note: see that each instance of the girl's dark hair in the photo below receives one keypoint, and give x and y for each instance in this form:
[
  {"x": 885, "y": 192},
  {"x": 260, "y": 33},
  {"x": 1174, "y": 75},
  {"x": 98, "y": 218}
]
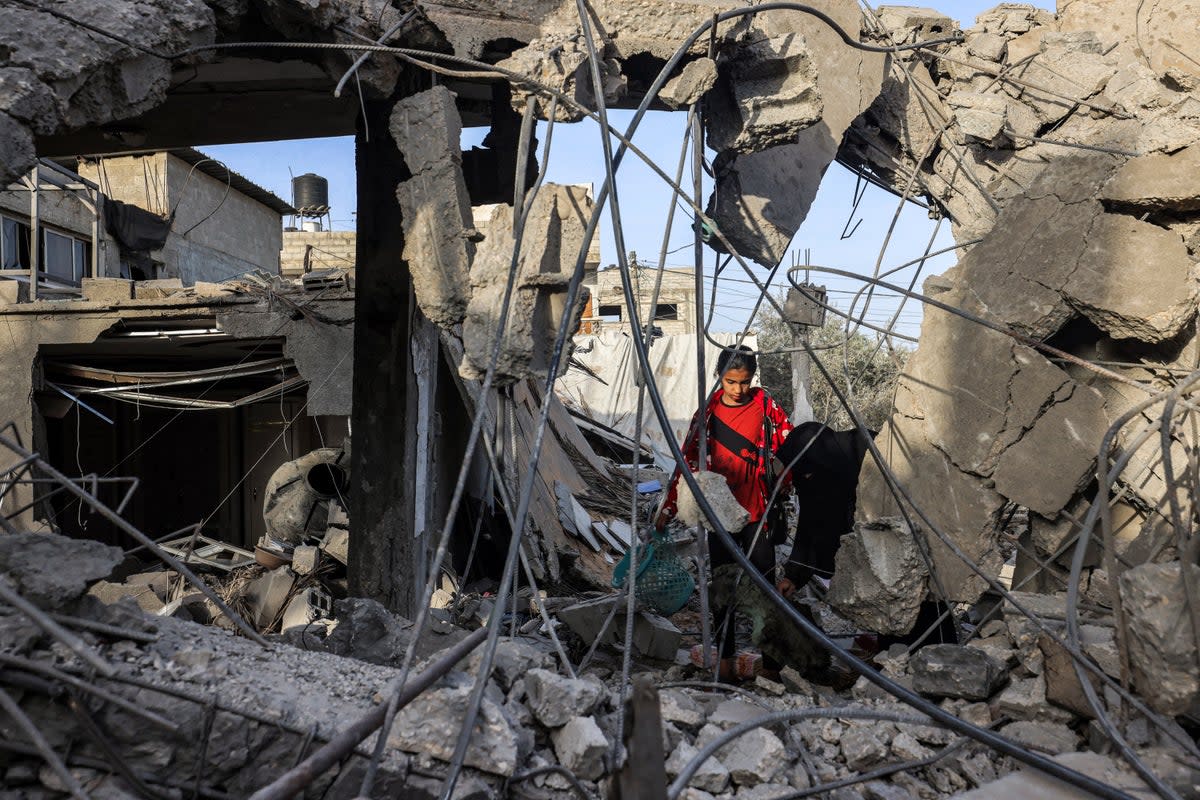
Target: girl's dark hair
[{"x": 740, "y": 357}]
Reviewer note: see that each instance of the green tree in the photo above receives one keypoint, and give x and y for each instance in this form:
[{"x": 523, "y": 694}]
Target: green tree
[{"x": 873, "y": 368}]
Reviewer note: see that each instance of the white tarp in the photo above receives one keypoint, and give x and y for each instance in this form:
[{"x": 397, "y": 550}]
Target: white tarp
[{"x": 611, "y": 398}]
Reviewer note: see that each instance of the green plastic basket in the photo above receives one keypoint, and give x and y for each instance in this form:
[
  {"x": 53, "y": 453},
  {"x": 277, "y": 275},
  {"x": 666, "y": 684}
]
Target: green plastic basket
[{"x": 663, "y": 583}]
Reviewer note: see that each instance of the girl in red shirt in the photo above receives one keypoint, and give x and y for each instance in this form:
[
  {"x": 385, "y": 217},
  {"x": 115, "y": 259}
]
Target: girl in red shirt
[{"x": 745, "y": 427}]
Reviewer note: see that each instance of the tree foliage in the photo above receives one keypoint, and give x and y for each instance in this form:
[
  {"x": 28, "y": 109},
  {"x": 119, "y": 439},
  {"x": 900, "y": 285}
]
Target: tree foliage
[{"x": 873, "y": 368}]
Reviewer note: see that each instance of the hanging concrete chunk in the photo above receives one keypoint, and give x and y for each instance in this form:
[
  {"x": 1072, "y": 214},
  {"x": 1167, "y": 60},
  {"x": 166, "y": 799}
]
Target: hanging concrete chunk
[
  {"x": 553, "y": 238},
  {"x": 696, "y": 78},
  {"x": 879, "y": 576},
  {"x": 435, "y": 208},
  {"x": 792, "y": 90},
  {"x": 1162, "y": 644}
]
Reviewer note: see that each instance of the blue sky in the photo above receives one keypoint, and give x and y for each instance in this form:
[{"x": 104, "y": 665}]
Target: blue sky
[{"x": 576, "y": 158}]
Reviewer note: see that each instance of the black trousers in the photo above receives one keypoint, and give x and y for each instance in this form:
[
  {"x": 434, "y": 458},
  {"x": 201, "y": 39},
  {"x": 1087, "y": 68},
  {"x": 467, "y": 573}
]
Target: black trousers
[{"x": 762, "y": 556}]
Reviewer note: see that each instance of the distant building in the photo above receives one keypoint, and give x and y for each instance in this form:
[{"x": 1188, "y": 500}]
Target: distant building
[
  {"x": 675, "y": 312},
  {"x": 310, "y": 250},
  {"x": 217, "y": 224}
]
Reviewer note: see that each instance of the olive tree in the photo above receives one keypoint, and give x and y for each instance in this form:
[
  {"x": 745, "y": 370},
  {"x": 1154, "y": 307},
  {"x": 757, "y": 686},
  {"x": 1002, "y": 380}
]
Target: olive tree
[{"x": 864, "y": 369}]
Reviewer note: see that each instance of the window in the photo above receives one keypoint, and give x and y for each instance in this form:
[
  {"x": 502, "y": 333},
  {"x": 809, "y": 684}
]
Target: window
[
  {"x": 14, "y": 244},
  {"x": 609, "y": 312},
  {"x": 61, "y": 255},
  {"x": 64, "y": 257},
  {"x": 666, "y": 311}
]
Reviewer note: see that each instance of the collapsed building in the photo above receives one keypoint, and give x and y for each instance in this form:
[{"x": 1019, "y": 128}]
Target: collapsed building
[{"x": 1044, "y": 416}]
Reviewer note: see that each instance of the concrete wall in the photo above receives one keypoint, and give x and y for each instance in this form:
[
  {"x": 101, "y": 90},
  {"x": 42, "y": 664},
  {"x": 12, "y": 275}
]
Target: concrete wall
[
  {"x": 678, "y": 289},
  {"x": 330, "y": 249},
  {"x": 241, "y": 235}
]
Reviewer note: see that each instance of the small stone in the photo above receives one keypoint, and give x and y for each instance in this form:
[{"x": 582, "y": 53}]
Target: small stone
[
  {"x": 862, "y": 748},
  {"x": 907, "y": 748},
  {"x": 581, "y": 747},
  {"x": 712, "y": 776},
  {"x": 795, "y": 683},
  {"x": 998, "y": 647},
  {"x": 735, "y": 712},
  {"x": 978, "y": 714},
  {"x": 764, "y": 791},
  {"x": 994, "y": 627},
  {"x": 1049, "y": 737},
  {"x": 881, "y": 790},
  {"x": 514, "y": 659},
  {"x": 954, "y": 671},
  {"x": 679, "y": 707},
  {"x": 754, "y": 758},
  {"x": 555, "y": 700},
  {"x": 769, "y": 686},
  {"x": 979, "y": 768},
  {"x": 988, "y": 46},
  {"x": 1026, "y": 699}
]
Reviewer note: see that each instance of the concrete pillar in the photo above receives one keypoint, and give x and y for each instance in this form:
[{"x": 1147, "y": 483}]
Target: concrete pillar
[{"x": 384, "y": 554}]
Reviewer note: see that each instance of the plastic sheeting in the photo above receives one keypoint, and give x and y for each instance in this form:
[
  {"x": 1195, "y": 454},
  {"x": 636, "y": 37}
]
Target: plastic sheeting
[{"x": 611, "y": 396}]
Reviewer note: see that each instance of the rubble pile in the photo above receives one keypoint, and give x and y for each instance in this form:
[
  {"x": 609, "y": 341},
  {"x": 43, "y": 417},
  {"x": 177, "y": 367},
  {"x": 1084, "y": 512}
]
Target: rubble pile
[{"x": 191, "y": 705}]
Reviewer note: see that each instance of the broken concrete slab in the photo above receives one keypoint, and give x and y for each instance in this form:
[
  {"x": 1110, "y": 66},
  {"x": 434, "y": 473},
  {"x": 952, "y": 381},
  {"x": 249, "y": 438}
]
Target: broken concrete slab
[
  {"x": 305, "y": 559},
  {"x": 142, "y": 594},
  {"x": 435, "y": 207},
  {"x": 653, "y": 636},
  {"x": 51, "y": 570},
  {"x": 552, "y": 238},
  {"x": 753, "y": 758},
  {"x": 879, "y": 576},
  {"x": 1161, "y": 642},
  {"x": 513, "y": 660},
  {"x": 337, "y": 544},
  {"x": 950, "y": 670},
  {"x": 430, "y": 725}
]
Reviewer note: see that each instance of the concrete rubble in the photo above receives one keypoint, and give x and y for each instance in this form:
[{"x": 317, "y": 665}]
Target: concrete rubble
[
  {"x": 1062, "y": 149},
  {"x": 533, "y": 714}
]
